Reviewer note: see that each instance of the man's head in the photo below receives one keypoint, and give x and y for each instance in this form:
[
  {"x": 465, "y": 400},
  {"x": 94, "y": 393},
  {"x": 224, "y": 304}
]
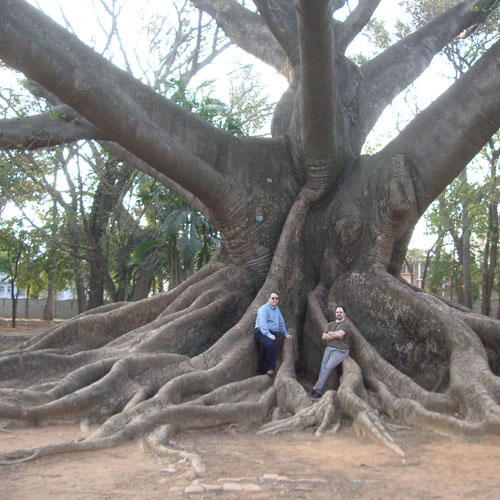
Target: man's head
[
  {"x": 273, "y": 298},
  {"x": 340, "y": 313}
]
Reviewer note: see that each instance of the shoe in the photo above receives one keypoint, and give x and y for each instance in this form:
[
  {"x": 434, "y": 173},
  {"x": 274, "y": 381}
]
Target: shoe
[
  {"x": 270, "y": 373},
  {"x": 315, "y": 394}
]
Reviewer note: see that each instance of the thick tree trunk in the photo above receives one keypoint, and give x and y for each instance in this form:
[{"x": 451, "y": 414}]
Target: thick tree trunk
[
  {"x": 48, "y": 308},
  {"x": 142, "y": 286}
]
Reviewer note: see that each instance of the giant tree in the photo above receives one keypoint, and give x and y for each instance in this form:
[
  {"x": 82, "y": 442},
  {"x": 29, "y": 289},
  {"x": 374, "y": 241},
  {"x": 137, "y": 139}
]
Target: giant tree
[{"x": 303, "y": 212}]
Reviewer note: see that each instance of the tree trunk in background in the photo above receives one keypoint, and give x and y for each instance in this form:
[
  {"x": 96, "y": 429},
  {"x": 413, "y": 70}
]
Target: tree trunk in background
[
  {"x": 490, "y": 260},
  {"x": 466, "y": 260},
  {"x": 81, "y": 294},
  {"x": 48, "y": 309},
  {"x": 96, "y": 286},
  {"x": 27, "y": 304},
  {"x": 14, "y": 303}
]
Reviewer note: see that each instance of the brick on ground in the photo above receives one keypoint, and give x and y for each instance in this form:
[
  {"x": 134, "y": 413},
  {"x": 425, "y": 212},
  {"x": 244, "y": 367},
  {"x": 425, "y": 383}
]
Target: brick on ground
[
  {"x": 250, "y": 487},
  {"x": 212, "y": 487},
  {"x": 269, "y": 477},
  {"x": 315, "y": 480},
  {"x": 232, "y": 487},
  {"x": 194, "y": 488}
]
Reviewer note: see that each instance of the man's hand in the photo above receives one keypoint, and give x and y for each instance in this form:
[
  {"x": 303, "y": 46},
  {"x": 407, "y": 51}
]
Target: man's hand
[
  {"x": 272, "y": 337},
  {"x": 289, "y": 337}
]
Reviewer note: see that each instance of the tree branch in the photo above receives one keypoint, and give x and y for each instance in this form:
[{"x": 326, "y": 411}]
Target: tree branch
[
  {"x": 389, "y": 73},
  {"x": 348, "y": 30},
  {"x": 317, "y": 95},
  {"x": 137, "y": 163},
  {"x": 147, "y": 124},
  {"x": 58, "y": 126},
  {"x": 247, "y": 30},
  {"x": 445, "y": 137},
  {"x": 281, "y": 18}
]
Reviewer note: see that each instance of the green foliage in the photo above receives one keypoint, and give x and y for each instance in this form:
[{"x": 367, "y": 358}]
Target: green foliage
[
  {"x": 22, "y": 256},
  {"x": 378, "y": 34},
  {"x": 183, "y": 240},
  {"x": 458, "y": 214},
  {"x": 244, "y": 114}
]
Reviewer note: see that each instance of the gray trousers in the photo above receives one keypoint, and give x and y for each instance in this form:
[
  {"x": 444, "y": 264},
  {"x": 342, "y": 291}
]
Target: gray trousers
[{"x": 331, "y": 358}]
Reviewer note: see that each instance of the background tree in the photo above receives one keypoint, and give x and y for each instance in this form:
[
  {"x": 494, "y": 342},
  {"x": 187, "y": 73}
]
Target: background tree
[
  {"x": 491, "y": 241},
  {"x": 456, "y": 214},
  {"x": 472, "y": 226},
  {"x": 11, "y": 251},
  {"x": 303, "y": 212}
]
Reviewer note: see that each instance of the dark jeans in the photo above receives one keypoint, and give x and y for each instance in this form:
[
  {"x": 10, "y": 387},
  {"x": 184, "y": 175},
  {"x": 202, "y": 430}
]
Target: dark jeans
[{"x": 268, "y": 355}]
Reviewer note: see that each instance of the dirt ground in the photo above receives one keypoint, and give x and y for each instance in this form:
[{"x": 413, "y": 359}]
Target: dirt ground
[{"x": 341, "y": 466}]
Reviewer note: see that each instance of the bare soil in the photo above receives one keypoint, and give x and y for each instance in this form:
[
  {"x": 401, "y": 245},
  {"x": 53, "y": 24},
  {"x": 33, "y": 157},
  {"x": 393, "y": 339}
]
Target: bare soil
[{"x": 435, "y": 467}]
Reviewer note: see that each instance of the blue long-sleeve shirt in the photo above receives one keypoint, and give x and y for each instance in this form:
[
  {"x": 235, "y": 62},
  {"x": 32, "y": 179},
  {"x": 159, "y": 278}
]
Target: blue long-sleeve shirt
[{"x": 269, "y": 319}]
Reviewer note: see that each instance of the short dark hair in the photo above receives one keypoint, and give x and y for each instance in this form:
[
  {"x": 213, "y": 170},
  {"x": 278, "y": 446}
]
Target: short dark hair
[
  {"x": 270, "y": 293},
  {"x": 342, "y": 307}
]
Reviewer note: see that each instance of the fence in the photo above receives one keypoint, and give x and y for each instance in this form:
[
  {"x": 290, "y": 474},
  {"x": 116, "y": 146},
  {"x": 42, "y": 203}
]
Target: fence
[{"x": 63, "y": 309}]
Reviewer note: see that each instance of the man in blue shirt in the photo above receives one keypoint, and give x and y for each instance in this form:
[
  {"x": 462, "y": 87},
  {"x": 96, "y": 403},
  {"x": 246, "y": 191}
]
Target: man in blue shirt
[{"x": 268, "y": 325}]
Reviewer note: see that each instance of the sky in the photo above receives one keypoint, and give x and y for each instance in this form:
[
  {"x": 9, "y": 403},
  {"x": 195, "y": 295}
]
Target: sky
[{"x": 82, "y": 16}]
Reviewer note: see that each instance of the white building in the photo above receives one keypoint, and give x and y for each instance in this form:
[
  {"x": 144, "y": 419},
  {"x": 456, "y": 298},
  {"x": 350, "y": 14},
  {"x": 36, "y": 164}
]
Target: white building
[{"x": 5, "y": 288}]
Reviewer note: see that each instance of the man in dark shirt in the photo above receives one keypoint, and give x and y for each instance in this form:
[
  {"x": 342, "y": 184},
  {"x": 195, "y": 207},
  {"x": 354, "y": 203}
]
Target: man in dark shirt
[{"x": 337, "y": 349}]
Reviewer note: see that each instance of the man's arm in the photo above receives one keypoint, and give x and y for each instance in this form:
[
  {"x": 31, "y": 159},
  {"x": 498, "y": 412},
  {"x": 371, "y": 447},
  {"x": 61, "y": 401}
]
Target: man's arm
[{"x": 330, "y": 335}]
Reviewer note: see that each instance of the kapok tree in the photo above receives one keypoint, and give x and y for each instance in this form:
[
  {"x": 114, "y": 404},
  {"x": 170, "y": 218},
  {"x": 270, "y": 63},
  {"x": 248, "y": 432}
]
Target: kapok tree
[{"x": 303, "y": 212}]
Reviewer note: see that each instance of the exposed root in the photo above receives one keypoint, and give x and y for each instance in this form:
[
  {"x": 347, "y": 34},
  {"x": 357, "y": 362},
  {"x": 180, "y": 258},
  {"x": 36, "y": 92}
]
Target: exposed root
[
  {"x": 100, "y": 326},
  {"x": 120, "y": 387},
  {"x": 469, "y": 405},
  {"x": 158, "y": 443},
  {"x": 97, "y": 383},
  {"x": 352, "y": 398},
  {"x": 322, "y": 414},
  {"x": 21, "y": 456},
  {"x": 202, "y": 392},
  {"x": 291, "y": 395},
  {"x": 138, "y": 388}
]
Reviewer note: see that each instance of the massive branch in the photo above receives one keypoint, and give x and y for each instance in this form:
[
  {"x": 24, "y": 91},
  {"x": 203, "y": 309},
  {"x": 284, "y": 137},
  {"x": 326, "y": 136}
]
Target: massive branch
[
  {"x": 442, "y": 139},
  {"x": 247, "y": 30},
  {"x": 58, "y": 126},
  {"x": 146, "y": 124},
  {"x": 348, "y": 30},
  {"x": 385, "y": 76},
  {"x": 132, "y": 114}
]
